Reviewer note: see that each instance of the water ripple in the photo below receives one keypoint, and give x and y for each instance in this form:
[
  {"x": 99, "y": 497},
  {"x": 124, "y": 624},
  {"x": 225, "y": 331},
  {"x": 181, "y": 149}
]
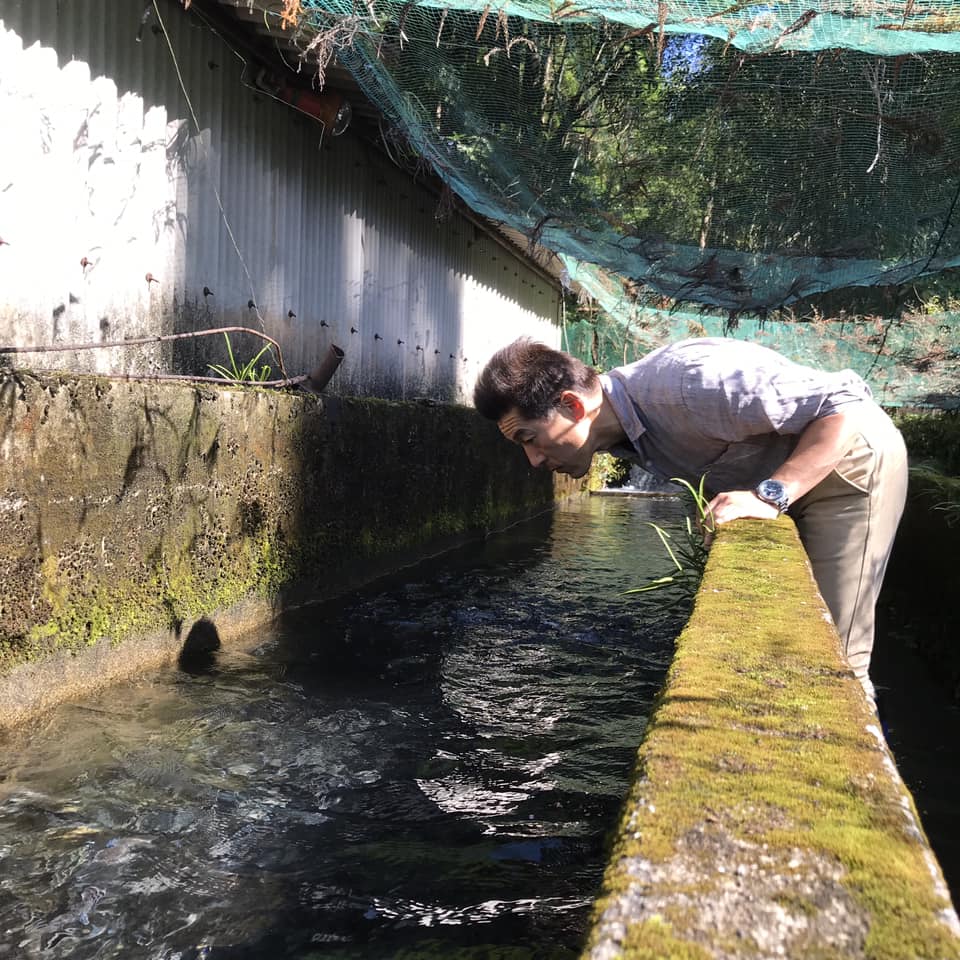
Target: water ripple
[{"x": 425, "y": 769}]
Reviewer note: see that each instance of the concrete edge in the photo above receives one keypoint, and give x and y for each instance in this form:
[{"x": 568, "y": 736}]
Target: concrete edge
[
  {"x": 30, "y": 689},
  {"x": 767, "y": 817}
]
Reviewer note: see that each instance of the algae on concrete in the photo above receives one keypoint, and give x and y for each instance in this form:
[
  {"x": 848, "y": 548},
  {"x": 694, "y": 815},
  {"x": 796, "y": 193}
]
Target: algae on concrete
[
  {"x": 133, "y": 508},
  {"x": 767, "y": 818}
]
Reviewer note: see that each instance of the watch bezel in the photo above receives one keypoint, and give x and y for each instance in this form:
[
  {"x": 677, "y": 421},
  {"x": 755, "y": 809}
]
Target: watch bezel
[{"x": 774, "y": 493}]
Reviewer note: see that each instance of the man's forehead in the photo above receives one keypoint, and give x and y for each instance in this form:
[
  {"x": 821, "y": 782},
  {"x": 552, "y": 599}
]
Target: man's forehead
[{"x": 511, "y": 422}]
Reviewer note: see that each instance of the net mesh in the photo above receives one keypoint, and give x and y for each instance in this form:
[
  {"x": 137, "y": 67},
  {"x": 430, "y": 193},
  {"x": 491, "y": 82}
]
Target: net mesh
[
  {"x": 908, "y": 361},
  {"x": 740, "y": 157}
]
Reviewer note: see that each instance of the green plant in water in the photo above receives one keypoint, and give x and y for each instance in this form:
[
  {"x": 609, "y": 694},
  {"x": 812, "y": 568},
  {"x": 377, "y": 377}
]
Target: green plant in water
[
  {"x": 248, "y": 372},
  {"x": 688, "y": 553}
]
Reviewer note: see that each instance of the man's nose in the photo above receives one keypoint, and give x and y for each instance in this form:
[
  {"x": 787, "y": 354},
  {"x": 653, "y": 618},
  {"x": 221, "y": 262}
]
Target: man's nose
[{"x": 535, "y": 457}]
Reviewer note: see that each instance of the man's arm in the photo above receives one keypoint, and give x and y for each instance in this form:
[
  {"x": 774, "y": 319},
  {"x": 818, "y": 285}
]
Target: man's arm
[{"x": 820, "y": 447}]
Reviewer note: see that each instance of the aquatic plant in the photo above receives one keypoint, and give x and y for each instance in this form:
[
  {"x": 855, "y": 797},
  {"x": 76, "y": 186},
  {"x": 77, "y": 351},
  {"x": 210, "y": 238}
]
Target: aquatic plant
[
  {"x": 688, "y": 552},
  {"x": 246, "y": 373}
]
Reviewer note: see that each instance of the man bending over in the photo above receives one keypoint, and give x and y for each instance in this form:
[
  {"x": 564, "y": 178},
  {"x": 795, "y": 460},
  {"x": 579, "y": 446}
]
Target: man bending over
[{"x": 772, "y": 437}]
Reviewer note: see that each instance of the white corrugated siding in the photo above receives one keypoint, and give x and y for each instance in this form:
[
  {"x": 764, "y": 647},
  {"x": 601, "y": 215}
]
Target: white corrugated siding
[{"x": 102, "y": 160}]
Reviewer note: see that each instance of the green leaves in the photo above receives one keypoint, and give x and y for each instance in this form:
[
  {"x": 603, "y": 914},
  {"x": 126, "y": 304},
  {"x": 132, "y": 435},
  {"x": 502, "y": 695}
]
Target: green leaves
[
  {"x": 688, "y": 553},
  {"x": 248, "y": 372}
]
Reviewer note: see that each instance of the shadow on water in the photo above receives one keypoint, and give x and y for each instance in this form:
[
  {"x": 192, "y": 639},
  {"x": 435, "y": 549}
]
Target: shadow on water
[
  {"x": 922, "y": 725},
  {"x": 916, "y": 669},
  {"x": 199, "y": 652},
  {"x": 427, "y": 768}
]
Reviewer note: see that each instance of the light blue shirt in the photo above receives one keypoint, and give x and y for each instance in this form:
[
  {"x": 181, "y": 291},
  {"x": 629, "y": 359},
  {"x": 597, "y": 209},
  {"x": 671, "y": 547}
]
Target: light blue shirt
[{"x": 727, "y": 408}]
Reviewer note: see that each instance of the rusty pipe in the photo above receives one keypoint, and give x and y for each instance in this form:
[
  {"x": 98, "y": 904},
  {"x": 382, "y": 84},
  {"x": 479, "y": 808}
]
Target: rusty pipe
[{"x": 318, "y": 378}]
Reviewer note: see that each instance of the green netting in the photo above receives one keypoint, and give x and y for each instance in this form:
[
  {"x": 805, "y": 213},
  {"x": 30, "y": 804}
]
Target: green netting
[
  {"x": 743, "y": 157},
  {"x": 886, "y": 29},
  {"x": 910, "y": 360}
]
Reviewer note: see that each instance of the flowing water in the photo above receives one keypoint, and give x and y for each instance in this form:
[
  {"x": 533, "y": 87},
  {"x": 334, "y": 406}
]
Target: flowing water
[{"x": 428, "y": 768}]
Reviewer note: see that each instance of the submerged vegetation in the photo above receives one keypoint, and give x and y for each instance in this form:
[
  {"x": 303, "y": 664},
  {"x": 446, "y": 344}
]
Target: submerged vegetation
[{"x": 687, "y": 551}]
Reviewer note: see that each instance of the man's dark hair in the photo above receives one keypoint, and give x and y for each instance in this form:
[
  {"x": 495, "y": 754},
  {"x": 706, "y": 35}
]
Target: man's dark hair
[{"x": 529, "y": 376}]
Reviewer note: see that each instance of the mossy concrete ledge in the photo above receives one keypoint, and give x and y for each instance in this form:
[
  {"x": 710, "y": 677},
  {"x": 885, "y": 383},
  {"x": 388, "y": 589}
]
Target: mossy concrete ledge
[
  {"x": 767, "y": 818},
  {"x": 133, "y": 512}
]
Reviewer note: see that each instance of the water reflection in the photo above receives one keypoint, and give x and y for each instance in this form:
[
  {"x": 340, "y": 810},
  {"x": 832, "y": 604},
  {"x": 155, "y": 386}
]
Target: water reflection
[{"x": 425, "y": 769}]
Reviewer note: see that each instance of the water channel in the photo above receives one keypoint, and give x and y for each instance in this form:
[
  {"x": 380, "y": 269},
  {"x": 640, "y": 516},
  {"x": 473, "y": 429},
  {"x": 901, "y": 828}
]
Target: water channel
[{"x": 427, "y": 768}]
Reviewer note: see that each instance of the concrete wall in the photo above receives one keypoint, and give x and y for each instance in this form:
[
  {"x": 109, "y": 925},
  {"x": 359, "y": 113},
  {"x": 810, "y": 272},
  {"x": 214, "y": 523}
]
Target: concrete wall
[
  {"x": 767, "y": 818},
  {"x": 131, "y": 511},
  {"x": 118, "y": 172}
]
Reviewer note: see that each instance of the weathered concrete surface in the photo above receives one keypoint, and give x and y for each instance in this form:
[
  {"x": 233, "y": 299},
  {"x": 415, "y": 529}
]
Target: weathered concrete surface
[
  {"x": 767, "y": 819},
  {"x": 131, "y": 510}
]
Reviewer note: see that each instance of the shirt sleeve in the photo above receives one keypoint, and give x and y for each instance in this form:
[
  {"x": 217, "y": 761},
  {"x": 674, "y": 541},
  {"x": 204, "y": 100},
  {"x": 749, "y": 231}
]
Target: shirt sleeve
[{"x": 736, "y": 389}]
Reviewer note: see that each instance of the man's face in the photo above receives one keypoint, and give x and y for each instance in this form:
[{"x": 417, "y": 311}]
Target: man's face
[{"x": 557, "y": 442}]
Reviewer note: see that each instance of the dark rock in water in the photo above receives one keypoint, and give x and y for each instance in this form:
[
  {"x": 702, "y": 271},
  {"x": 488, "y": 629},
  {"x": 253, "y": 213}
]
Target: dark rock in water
[{"x": 199, "y": 652}]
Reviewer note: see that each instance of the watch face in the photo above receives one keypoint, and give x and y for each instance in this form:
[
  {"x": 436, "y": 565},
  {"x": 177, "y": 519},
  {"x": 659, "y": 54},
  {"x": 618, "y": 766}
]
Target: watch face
[{"x": 772, "y": 490}]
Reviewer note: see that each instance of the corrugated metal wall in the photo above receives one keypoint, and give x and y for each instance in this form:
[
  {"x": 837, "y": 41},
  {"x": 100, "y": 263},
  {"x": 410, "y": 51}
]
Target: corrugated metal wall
[{"x": 104, "y": 179}]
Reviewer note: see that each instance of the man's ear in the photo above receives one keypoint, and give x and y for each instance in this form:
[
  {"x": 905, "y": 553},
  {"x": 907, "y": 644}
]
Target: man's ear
[{"x": 571, "y": 405}]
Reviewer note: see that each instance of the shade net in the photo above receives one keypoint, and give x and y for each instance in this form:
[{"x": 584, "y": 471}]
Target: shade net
[{"x": 738, "y": 158}]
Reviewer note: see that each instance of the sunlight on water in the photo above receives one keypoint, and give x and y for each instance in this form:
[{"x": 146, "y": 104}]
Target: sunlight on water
[{"x": 424, "y": 769}]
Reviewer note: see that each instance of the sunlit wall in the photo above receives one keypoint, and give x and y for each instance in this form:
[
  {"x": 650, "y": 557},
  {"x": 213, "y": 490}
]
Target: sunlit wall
[{"x": 141, "y": 168}]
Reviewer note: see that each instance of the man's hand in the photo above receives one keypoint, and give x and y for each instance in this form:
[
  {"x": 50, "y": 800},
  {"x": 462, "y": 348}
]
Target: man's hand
[{"x": 737, "y": 504}]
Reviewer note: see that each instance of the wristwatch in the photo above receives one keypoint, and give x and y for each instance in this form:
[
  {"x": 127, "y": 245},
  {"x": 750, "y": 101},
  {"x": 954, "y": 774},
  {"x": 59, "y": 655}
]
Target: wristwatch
[{"x": 773, "y": 492}]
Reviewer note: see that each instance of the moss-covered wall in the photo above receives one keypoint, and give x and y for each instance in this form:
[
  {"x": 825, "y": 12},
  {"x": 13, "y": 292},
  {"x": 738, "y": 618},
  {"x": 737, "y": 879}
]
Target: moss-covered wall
[
  {"x": 767, "y": 818},
  {"x": 129, "y": 510}
]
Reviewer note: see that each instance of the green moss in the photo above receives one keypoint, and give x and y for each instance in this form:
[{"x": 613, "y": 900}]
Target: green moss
[
  {"x": 182, "y": 586},
  {"x": 173, "y": 502},
  {"x": 653, "y": 939},
  {"x": 177, "y": 589},
  {"x": 760, "y": 730}
]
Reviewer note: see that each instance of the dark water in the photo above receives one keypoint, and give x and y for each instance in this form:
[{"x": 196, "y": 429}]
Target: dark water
[
  {"x": 914, "y": 670},
  {"x": 921, "y": 720},
  {"x": 427, "y": 769}
]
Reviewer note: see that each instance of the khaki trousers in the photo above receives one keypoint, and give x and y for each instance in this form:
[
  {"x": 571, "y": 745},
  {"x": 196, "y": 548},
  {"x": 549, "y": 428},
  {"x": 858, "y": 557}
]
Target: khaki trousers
[{"x": 847, "y": 524}]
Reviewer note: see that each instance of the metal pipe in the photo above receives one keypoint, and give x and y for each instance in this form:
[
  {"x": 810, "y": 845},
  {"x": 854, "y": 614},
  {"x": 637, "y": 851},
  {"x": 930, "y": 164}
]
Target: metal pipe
[
  {"x": 315, "y": 381},
  {"x": 140, "y": 341},
  {"x": 318, "y": 378}
]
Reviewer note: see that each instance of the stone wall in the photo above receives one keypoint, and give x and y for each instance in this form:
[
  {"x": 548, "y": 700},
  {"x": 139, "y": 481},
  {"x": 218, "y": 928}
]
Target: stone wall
[
  {"x": 766, "y": 817},
  {"x": 129, "y": 511}
]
